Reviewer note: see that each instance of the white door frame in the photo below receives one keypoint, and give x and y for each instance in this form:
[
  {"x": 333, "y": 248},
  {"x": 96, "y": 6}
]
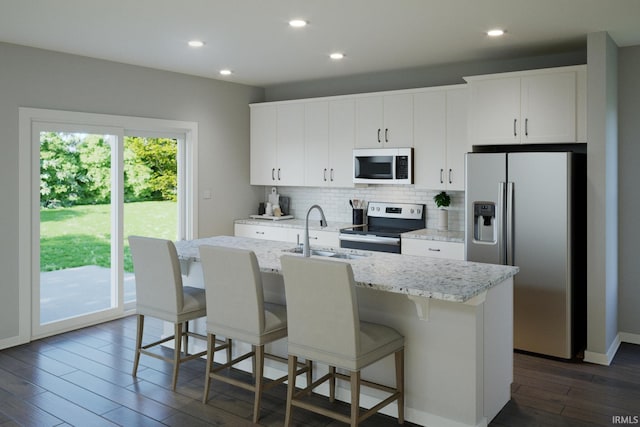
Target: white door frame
[{"x": 31, "y": 120}]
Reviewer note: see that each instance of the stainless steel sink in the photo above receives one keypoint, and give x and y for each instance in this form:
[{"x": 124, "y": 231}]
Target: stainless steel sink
[{"x": 330, "y": 254}]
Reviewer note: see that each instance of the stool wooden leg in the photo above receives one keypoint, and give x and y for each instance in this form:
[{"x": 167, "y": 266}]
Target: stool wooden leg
[
  {"x": 355, "y": 397},
  {"x": 309, "y": 365},
  {"x": 229, "y": 348},
  {"x": 136, "y": 359},
  {"x": 259, "y": 358},
  {"x": 332, "y": 384},
  {"x": 211, "y": 342},
  {"x": 176, "y": 354},
  {"x": 185, "y": 345},
  {"x": 291, "y": 388},
  {"x": 400, "y": 384}
]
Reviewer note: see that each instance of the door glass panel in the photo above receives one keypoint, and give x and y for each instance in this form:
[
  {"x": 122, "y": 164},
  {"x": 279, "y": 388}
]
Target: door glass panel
[
  {"x": 75, "y": 225},
  {"x": 150, "y": 196}
]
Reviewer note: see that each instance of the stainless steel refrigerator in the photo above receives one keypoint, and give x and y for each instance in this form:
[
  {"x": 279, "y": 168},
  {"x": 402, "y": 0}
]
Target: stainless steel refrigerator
[{"x": 528, "y": 209}]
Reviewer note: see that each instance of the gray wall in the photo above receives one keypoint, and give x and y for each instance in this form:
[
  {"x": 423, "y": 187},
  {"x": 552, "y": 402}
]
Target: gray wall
[
  {"x": 602, "y": 196},
  {"x": 417, "y": 77},
  {"x": 43, "y": 79},
  {"x": 629, "y": 176}
]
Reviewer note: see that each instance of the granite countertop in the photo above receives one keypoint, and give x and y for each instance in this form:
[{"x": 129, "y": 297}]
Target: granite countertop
[
  {"x": 314, "y": 224},
  {"x": 442, "y": 279},
  {"x": 433, "y": 234}
]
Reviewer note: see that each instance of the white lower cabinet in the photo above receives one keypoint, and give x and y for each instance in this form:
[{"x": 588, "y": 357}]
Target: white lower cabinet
[
  {"x": 281, "y": 234},
  {"x": 286, "y": 234},
  {"x": 318, "y": 237},
  {"x": 433, "y": 248}
]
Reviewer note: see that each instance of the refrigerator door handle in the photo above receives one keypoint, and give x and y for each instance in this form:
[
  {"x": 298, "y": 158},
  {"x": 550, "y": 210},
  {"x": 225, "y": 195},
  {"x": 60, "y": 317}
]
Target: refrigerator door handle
[
  {"x": 509, "y": 223},
  {"x": 500, "y": 221}
]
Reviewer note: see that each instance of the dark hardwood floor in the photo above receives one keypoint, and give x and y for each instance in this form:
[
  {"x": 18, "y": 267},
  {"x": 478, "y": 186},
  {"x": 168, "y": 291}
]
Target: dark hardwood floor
[{"x": 83, "y": 378}]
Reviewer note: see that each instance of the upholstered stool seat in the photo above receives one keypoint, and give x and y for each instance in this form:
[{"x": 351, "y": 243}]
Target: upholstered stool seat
[
  {"x": 161, "y": 294},
  {"x": 237, "y": 310},
  {"x": 325, "y": 327}
]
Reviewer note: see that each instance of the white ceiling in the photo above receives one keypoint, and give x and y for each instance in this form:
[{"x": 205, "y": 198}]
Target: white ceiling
[{"x": 252, "y": 37}]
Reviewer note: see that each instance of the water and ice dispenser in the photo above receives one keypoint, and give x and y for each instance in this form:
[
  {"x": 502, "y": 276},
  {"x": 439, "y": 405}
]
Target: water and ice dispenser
[{"x": 484, "y": 222}]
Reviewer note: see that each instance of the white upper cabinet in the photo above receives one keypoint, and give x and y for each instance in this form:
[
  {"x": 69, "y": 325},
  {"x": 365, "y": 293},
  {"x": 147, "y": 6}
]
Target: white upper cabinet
[
  {"x": 290, "y": 168},
  {"x": 316, "y": 143},
  {"x": 277, "y": 144},
  {"x": 430, "y": 131},
  {"x": 440, "y": 130},
  {"x": 457, "y": 141},
  {"x": 329, "y": 139},
  {"x": 529, "y": 107},
  {"x": 263, "y": 157},
  {"x": 342, "y": 135},
  {"x": 384, "y": 121}
]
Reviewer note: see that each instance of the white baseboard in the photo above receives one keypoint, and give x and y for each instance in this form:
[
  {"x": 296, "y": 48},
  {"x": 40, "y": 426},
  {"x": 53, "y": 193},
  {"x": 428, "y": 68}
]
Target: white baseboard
[
  {"x": 630, "y": 338},
  {"x": 604, "y": 358}
]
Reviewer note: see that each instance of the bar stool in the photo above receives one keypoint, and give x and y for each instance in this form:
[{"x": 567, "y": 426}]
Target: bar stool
[
  {"x": 325, "y": 326},
  {"x": 160, "y": 294},
  {"x": 237, "y": 310}
]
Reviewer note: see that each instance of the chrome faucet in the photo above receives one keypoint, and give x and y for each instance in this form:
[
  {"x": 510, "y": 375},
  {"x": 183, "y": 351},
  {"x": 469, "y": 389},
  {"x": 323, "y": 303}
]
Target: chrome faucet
[{"x": 306, "y": 251}]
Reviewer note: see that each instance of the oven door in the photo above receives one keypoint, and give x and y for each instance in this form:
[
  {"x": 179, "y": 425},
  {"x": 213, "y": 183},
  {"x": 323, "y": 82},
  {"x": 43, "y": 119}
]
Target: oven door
[{"x": 370, "y": 242}]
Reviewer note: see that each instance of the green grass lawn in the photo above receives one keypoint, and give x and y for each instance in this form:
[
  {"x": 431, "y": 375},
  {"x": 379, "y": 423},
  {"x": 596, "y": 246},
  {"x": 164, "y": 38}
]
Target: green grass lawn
[{"x": 80, "y": 235}]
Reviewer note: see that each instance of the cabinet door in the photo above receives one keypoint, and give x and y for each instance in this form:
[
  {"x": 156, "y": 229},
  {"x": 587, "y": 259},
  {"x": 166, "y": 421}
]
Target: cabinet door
[
  {"x": 316, "y": 144},
  {"x": 457, "y": 142},
  {"x": 433, "y": 248},
  {"x": 265, "y": 232},
  {"x": 263, "y": 145},
  {"x": 369, "y": 120},
  {"x": 494, "y": 111},
  {"x": 290, "y": 150},
  {"x": 341, "y": 142},
  {"x": 398, "y": 121},
  {"x": 549, "y": 108},
  {"x": 429, "y": 123}
]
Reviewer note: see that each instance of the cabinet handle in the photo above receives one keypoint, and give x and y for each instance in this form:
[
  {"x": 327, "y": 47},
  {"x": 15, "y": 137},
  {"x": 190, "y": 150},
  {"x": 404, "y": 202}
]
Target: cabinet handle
[
  {"x": 378, "y": 135},
  {"x": 434, "y": 250},
  {"x": 278, "y": 174},
  {"x": 259, "y": 232},
  {"x": 526, "y": 127},
  {"x": 273, "y": 172},
  {"x": 325, "y": 174},
  {"x": 331, "y": 174},
  {"x": 450, "y": 182},
  {"x": 441, "y": 178},
  {"x": 514, "y": 127},
  {"x": 386, "y": 135}
]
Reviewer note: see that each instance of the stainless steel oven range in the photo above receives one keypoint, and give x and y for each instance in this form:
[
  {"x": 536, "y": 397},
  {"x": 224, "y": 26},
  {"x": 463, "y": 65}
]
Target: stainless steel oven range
[{"x": 385, "y": 223}]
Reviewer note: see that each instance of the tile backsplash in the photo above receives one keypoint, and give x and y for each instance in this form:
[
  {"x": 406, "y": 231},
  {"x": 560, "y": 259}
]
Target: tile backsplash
[{"x": 335, "y": 201}]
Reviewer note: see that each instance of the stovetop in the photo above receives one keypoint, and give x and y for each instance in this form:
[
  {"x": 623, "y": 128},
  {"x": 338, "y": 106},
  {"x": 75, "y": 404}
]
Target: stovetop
[
  {"x": 377, "y": 230},
  {"x": 390, "y": 219}
]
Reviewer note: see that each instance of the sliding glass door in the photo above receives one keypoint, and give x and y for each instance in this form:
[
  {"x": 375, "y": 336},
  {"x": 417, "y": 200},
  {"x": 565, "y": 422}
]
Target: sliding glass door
[
  {"x": 96, "y": 187},
  {"x": 87, "y": 182}
]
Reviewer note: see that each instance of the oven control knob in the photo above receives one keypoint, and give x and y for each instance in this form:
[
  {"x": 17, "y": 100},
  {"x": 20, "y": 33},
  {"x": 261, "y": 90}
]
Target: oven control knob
[
  {"x": 418, "y": 211},
  {"x": 412, "y": 210},
  {"x": 377, "y": 209}
]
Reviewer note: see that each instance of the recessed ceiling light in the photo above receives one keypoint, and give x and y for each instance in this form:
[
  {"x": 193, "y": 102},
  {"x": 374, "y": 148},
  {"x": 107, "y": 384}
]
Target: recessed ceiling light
[
  {"x": 495, "y": 33},
  {"x": 226, "y": 72},
  {"x": 336, "y": 55},
  {"x": 298, "y": 23},
  {"x": 196, "y": 43}
]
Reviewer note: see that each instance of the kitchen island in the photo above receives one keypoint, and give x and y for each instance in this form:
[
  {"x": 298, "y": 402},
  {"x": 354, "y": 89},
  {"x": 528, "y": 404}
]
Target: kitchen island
[{"x": 456, "y": 316}]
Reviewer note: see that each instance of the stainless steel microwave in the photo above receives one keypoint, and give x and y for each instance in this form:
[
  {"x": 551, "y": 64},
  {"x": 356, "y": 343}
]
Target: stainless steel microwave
[{"x": 383, "y": 165}]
